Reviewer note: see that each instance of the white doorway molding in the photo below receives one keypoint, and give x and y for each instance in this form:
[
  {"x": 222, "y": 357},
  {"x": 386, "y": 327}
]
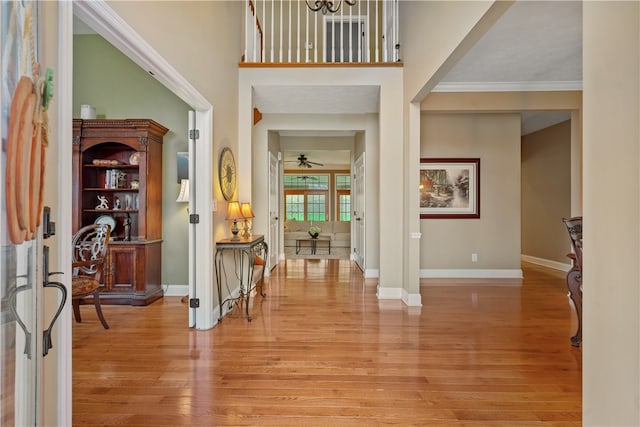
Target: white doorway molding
[{"x": 99, "y": 16}]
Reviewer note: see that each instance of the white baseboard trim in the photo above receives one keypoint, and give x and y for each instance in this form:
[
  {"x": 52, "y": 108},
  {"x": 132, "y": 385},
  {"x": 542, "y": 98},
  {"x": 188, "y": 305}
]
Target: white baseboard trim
[
  {"x": 371, "y": 273},
  {"x": 471, "y": 274},
  {"x": 389, "y": 293},
  {"x": 546, "y": 263},
  {"x": 175, "y": 290},
  {"x": 412, "y": 300}
]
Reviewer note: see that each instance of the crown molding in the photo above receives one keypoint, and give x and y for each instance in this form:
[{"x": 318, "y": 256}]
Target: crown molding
[{"x": 508, "y": 86}]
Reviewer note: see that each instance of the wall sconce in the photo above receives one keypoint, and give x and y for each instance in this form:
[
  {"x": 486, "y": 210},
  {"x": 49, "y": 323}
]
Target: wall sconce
[
  {"x": 247, "y": 213},
  {"x": 183, "y": 196},
  {"x": 234, "y": 214}
]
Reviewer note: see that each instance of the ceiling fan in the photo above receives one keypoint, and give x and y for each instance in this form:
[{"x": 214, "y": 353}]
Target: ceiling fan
[{"x": 303, "y": 162}]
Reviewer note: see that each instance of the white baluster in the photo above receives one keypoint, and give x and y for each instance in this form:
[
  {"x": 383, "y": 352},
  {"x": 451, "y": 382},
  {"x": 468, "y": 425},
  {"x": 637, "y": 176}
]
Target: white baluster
[
  {"x": 315, "y": 24},
  {"x": 377, "y": 36},
  {"x": 350, "y": 35},
  {"x": 298, "y": 32},
  {"x": 256, "y": 34},
  {"x": 272, "y": 29},
  {"x": 341, "y": 26},
  {"x": 306, "y": 39},
  {"x": 246, "y": 31},
  {"x": 359, "y": 59},
  {"x": 369, "y": 18}
]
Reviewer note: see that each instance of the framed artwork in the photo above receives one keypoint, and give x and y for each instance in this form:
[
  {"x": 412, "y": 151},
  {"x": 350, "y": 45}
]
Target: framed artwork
[{"x": 449, "y": 188}]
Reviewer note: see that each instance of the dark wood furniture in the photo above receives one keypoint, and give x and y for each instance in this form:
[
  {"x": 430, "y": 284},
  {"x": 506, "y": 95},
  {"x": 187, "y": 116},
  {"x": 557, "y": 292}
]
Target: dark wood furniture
[
  {"x": 118, "y": 163},
  {"x": 574, "y": 276},
  {"x": 89, "y": 245}
]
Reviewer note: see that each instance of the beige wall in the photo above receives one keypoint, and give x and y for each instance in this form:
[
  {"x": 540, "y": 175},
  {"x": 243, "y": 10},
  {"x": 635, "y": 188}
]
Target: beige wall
[
  {"x": 546, "y": 192},
  {"x": 202, "y": 41},
  {"x": 495, "y": 236},
  {"x": 611, "y": 345},
  {"x": 118, "y": 88}
]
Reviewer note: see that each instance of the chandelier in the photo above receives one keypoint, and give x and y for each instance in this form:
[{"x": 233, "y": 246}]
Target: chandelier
[{"x": 328, "y": 5}]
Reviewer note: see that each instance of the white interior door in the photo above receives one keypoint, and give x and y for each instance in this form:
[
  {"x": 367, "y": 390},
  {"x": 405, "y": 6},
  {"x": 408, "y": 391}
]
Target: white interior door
[
  {"x": 274, "y": 210},
  {"x": 389, "y": 16},
  {"x": 359, "y": 213},
  {"x": 345, "y": 39}
]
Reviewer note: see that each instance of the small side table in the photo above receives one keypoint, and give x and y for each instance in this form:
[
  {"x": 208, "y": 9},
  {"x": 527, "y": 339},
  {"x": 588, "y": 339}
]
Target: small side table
[
  {"x": 313, "y": 243},
  {"x": 245, "y": 252}
]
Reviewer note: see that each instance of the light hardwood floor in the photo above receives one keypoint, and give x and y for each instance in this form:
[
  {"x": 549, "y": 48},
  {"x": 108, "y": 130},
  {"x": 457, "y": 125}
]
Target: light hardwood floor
[{"x": 322, "y": 350}]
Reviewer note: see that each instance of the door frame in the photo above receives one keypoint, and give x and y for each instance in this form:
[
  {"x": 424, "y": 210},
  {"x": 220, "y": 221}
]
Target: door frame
[
  {"x": 274, "y": 212},
  {"x": 363, "y": 20},
  {"x": 359, "y": 208},
  {"x": 99, "y": 16}
]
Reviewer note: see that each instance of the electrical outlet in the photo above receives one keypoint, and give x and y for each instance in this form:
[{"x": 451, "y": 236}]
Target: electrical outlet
[{"x": 474, "y": 257}]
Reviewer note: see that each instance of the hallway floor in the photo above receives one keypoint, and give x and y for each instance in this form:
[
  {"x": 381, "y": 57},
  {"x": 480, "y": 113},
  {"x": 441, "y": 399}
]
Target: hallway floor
[{"x": 322, "y": 350}]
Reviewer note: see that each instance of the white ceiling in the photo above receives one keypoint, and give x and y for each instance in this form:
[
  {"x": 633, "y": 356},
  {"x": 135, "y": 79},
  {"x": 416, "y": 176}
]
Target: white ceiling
[
  {"x": 533, "y": 42},
  {"x": 316, "y": 99}
]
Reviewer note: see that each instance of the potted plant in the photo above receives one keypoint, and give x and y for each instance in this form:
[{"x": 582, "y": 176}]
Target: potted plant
[{"x": 314, "y": 231}]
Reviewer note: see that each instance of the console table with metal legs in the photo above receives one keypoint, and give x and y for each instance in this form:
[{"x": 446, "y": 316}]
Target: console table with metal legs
[{"x": 245, "y": 252}]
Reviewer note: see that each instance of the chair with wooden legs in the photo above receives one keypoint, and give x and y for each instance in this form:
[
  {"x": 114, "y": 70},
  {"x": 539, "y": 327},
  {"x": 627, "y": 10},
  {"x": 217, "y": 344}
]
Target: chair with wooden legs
[
  {"x": 574, "y": 276},
  {"x": 89, "y": 254}
]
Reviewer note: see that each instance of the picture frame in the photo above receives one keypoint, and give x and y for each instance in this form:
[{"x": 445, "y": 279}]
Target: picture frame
[{"x": 449, "y": 188}]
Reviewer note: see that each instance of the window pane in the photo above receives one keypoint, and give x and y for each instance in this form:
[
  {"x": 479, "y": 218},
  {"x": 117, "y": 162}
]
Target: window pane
[
  {"x": 294, "y": 207},
  {"x": 306, "y": 182},
  {"x": 316, "y": 207},
  {"x": 345, "y": 207},
  {"x": 343, "y": 182}
]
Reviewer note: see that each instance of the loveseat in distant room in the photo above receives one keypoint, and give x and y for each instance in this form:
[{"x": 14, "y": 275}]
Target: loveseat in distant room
[{"x": 338, "y": 231}]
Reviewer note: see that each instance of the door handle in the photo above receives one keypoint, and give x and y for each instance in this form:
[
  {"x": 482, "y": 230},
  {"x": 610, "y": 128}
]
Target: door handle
[
  {"x": 46, "y": 335},
  {"x": 14, "y": 310}
]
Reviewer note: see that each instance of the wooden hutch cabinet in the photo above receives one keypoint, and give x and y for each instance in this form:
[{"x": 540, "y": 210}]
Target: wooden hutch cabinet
[{"x": 117, "y": 169}]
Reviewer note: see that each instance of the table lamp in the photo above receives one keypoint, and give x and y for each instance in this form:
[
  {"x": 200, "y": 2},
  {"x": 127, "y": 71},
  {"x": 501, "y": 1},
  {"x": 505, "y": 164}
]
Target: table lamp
[
  {"x": 247, "y": 213},
  {"x": 234, "y": 214}
]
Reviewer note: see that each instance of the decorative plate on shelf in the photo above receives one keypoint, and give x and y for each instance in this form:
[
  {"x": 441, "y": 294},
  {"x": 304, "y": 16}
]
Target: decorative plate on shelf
[
  {"x": 106, "y": 219},
  {"x": 134, "y": 159}
]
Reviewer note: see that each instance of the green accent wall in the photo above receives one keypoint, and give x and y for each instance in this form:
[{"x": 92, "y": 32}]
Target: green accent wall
[{"x": 118, "y": 88}]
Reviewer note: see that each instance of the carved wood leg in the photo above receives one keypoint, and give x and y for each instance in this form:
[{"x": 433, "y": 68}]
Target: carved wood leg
[
  {"x": 76, "y": 310},
  {"x": 574, "y": 283},
  {"x": 96, "y": 302}
]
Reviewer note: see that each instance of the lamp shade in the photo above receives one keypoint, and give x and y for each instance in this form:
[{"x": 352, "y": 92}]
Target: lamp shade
[
  {"x": 233, "y": 211},
  {"x": 246, "y": 210},
  {"x": 183, "y": 196}
]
